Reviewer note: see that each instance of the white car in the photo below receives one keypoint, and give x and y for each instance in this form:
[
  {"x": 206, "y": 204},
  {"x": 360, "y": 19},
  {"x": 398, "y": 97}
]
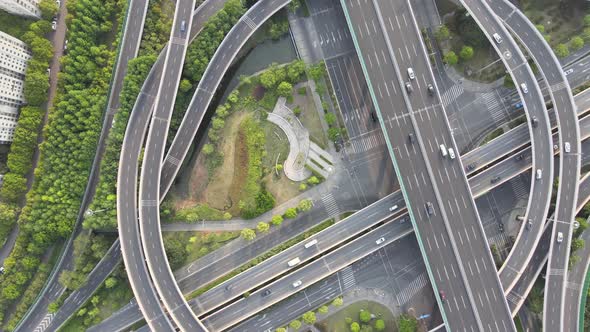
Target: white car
[
  {"x": 297, "y": 284},
  {"x": 443, "y": 150},
  {"x": 567, "y": 147},
  {"x": 54, "y": 25},
  {"x": 451, "y": 153},
  {"x": 524, "y": 88},
  {"x": 559, "y": 237},
  {"x": 380, "y": 240},
  {"x": 393, "y": 208},
  {"x": 411, "y": 74},
  {"x": 539, "y": 174},
  {"x": 497, "y": 38},
  {"x": 569, "y": 71}
]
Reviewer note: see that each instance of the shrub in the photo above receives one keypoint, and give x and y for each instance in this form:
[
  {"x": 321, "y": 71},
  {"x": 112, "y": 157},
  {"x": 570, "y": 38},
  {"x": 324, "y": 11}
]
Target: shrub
[
  {"x": 262, "y": 227},
  {"x": 562, "y": 50},
  {"x": 576, "y": 43},
  {"x": 442, "y": 33},
  {"x": 302, "y": 91},
  {"x": 355, "y": 327},
  {"x": 277, "y": 220},
  {"x": 466, "y": 52},
  {"x": 365, "y": 316},
  {"x": 248, "y": 234},
  {"x": 337, "y": 302},
  {"x": 291, "y": 213},
  {"x": 323, "y": 310},
  {"x": 284, "y": 89},
  {"x": 295, "y": 325},
  {"x": 330, "y": 118},
  {"x": 302, "y": 187},
  {"x": 450, "y": 58},
  {"x": 309, "y": 317},
  {"x": 305, "y": 205},
  {"x": 380, "y": 325}
]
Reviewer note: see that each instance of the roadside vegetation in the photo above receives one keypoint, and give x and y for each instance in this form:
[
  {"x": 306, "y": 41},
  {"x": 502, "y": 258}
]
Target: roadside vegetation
[
  {"x": 362, "y": 316},
  {"x": 70, "y": 141},
  {"x": 465, "y": 47}
]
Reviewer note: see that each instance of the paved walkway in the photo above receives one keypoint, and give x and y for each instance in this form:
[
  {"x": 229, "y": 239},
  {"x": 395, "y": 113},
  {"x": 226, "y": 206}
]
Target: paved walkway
[
  {"x": 470, "y": 85},
  {"x": 298, "y": 136}
]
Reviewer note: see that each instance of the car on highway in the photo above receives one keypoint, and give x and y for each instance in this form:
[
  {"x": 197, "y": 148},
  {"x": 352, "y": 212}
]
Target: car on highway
[
  {"x": 311, "y": 243},
  {"x": 297, "y": 284},
  {"x": 182, "y": 26},
  {"x": 380, "y": 240},
  {"x": 266, "y": 293},
  {"x": 529, "y": 224},
  {"x": 430, "y": 89},
  {"x": 393, "y": 208},
  {"x": 559, "y": 237},
  {"x": 518, "y": 105},
  {"x": 569, "y": 71},
  {"x": 539, "y": 173},
  {"x": 535, "y": 122},
  {"x": 519, "y": 157},
  {"x": 443, "y": 296},
  {"x": 495, "y": 179},
  {"x": 497, "y": 38},
  {"x": 373, "y": 117},
  {"x": 411, "y": 74},
  {"x": 294, "y": 262},
  {"x": 567, "y": 147},
  {"x": 412, "y": 138},
  {"x": 471, "y": 167},
  {"x": 54, "y": 25},
  {"x": 524, "y": 88},
  {"x": 429, "y": 208},
  {"x": 229, "y": 287},
  {"x": 409, "y": 87},
  {"x": 451, "y": 153},
  {"x": 443, "y": 150}
]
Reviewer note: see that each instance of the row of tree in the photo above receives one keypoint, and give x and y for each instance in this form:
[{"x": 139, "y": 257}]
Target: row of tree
[{"x": 70, "y": 142}]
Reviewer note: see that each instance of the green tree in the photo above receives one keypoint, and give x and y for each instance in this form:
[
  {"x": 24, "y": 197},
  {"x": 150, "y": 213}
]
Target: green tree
[
  {"x": 407, "y": 324},
  {"x": 380, "y": 325},
  {"x": 469, "y": 30},
  {"x": 305, "y": 205},
  {"x": 586, "y": 35},
  {"x": 36, "y": 86},
  {"x": 330, "y": 118},
  {"x": 284, "y": 89},
  {"x": 110, "y": 282},
  {"x": 208, "y": 149},
  {"x": 562, "y": 50},
  {"x": 442, "y": 33},
  {"x": 309, "y": 317},
  {"x": 291, "y": 213},
  {"x": 262, "y": 227},
  {"x": 323, "y": 310},
  {"x": 587, "y": 20},
  {"x": 355, "y": 327},
  {"x": 185, "y": 85},
  {"x": 365, "y": 316},
  {"x": 541, "y": 28},
  {"x": 338, "y": 302},
  {"x": 466, "y": 52},
  {"x": 295, "y": 325},
  {"x": 313, "y": 180},
  {"x": 302, "y": 187},
  {"x": 317, "y": 71},
  {"x": 268, "y": 79},
  {"x": 577, "y": 244},
  {"x": 334, "y": 133},
  {"x": 7, "y": 219},
  {"x": 48, "y": 9},
  {"x": 281, "y": 329},
  {"x": 277, "y": 220},
  {"x": 576, "y": 43},
  {"x": 248, "y": 234},
  {"x": 450, "y": 58}
]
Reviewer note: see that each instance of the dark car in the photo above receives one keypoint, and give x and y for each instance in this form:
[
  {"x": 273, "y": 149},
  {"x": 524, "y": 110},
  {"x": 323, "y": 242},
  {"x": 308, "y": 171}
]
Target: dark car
[
  {"x": 409, "y": 87},
  {"x": 529, "y": 224},
  {"x": 373, "y": 117},
  {"x": 471, "y": 167},
  {"x": 443, "y": 296},
  {"x": 501, "y": 227},
  {"x": 520, "y": 157},
  {"x": 412, "y": 138},
  {"x": 495, "y": 179},
  {"x": 229, "y": 287},
  {"x": 535, "y": 121},
  {"x": 266, "y": 293}
]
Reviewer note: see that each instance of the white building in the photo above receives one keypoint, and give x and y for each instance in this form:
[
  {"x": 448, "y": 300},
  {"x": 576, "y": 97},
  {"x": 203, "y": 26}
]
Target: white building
[
  {"x": 22, "y": 7},
  {"x": 8, "y": 118},
  {"x": 14, "y": 55}
]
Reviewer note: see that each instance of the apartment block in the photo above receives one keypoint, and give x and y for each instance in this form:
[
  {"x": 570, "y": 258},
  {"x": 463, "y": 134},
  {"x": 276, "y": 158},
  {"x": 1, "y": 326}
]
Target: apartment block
[{"x": 21, "y": 7}]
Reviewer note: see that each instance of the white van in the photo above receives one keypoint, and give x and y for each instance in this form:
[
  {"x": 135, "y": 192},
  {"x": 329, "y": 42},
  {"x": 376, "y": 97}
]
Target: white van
[
  {"x": 311, "y": 243},
  {"x": 451, "y": 153},
  {"x": 443, "y": 150},
  {"x": 497, "y": 38},
  {"x": 294, "y": 262}
]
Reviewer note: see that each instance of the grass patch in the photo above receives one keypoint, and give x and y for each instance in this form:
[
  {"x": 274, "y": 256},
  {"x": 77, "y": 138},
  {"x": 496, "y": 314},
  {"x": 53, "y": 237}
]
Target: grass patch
[
  {"x": 274, "y": 251},
  {"x": 494, "y": 134},
  {"x": 518, "y": 324},
  {"x": 14, "y": 25},
  {"x": 310, "y": 118},
  {"x": 337, "y": 321},
  {"x": 185, "y": 247},
  {"x": 561, "y": 19}
]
